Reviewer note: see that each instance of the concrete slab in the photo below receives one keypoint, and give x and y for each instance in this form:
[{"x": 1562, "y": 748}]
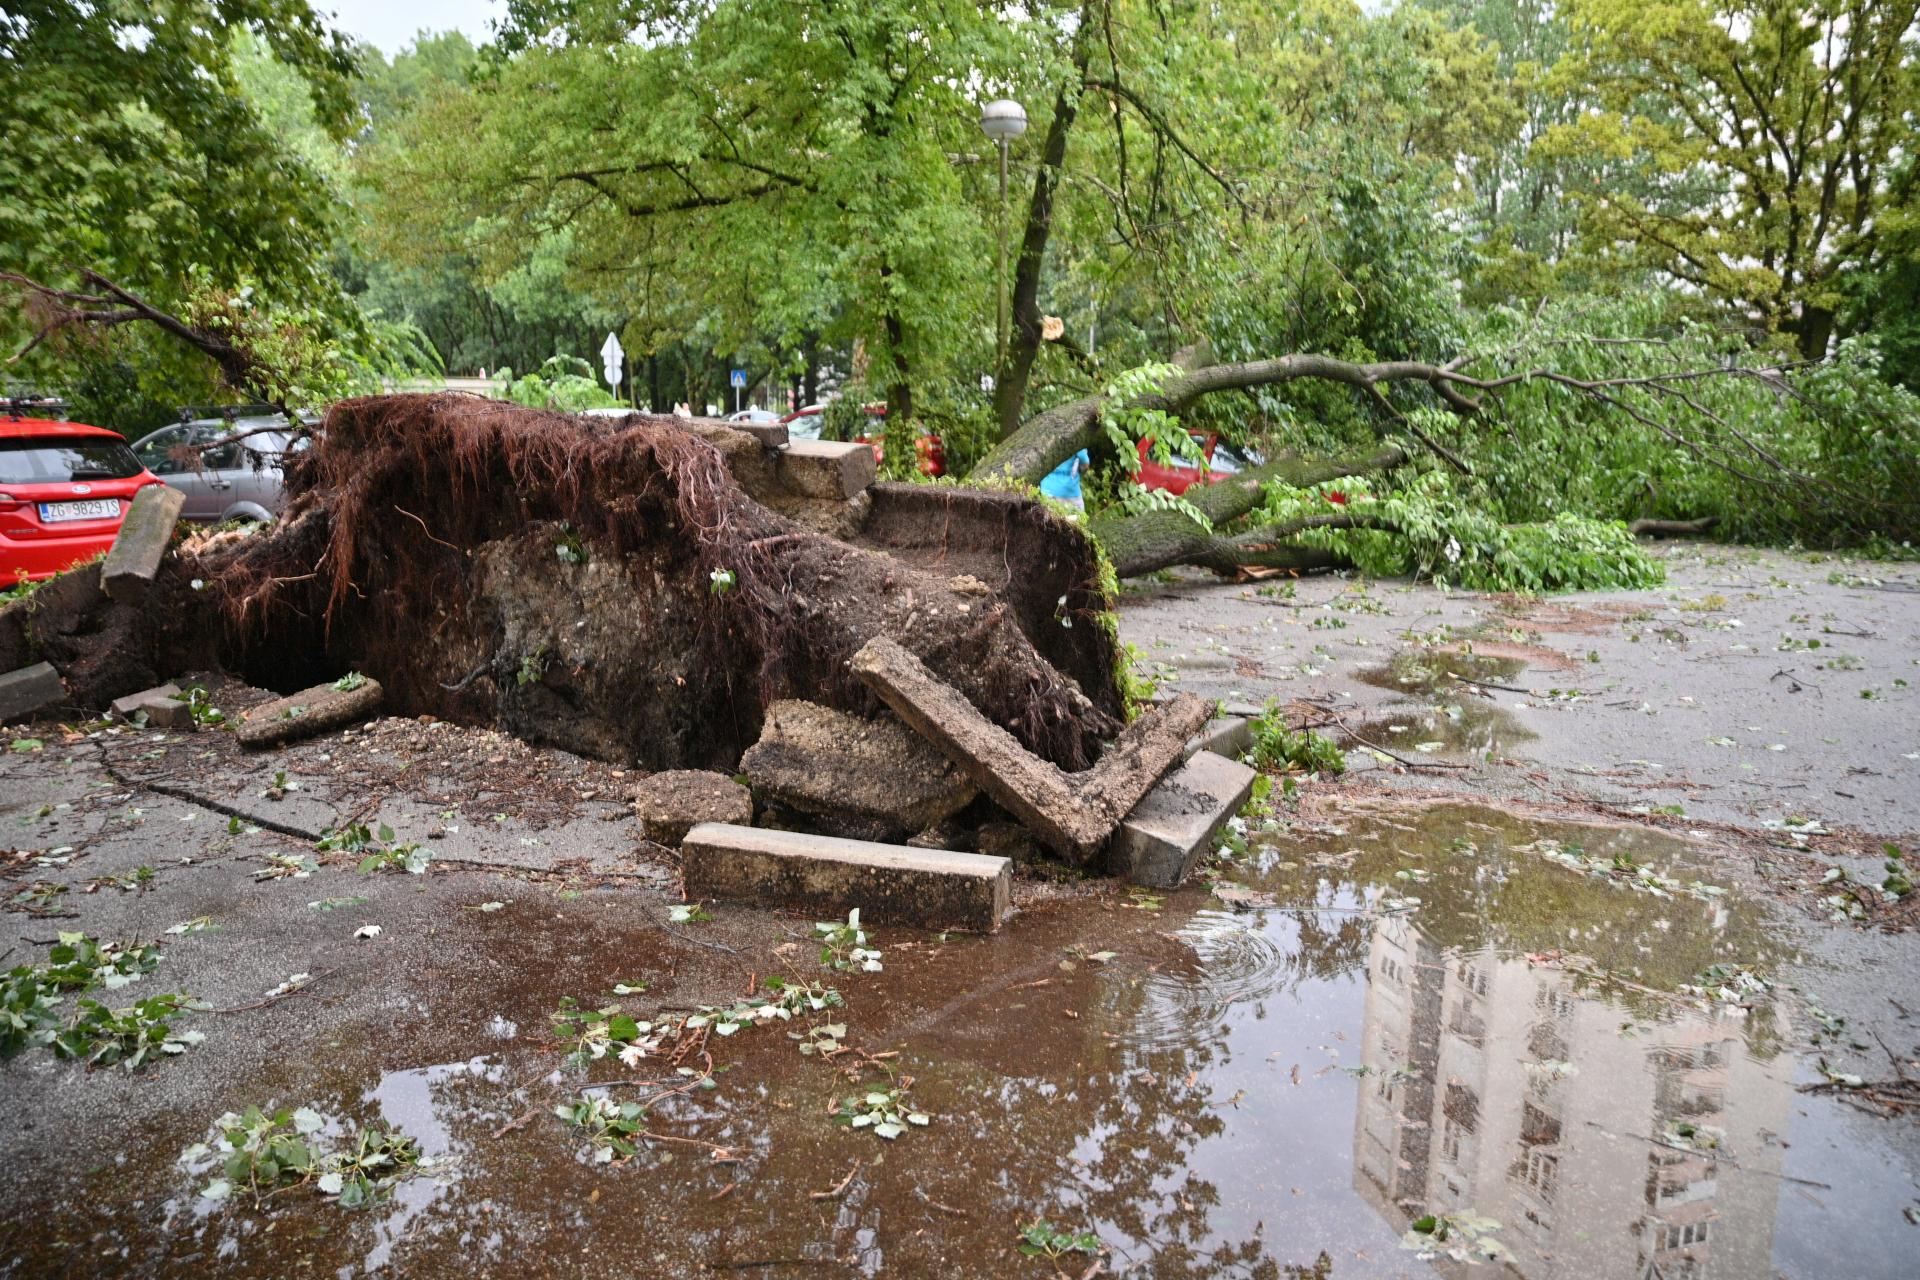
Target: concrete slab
[
  {"x": 165, "y": 711},
  {"x": 828, "y": 877},
  {"x": 767, "y": 433},
  {"x": 1074, "y": 813},
  {"x": 827, "y": 468},
  {"x": 1167, "y": 834},
  {"x": 863, "y": 779},
  {"x": 308, "y": 712},
  {"x": 28, "y": 690},
  {"x": 142, "y": 542}
]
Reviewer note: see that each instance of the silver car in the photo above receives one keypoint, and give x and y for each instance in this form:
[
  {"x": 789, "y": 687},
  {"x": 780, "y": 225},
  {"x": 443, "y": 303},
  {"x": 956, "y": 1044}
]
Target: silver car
[{"x": 240, "y": 480}]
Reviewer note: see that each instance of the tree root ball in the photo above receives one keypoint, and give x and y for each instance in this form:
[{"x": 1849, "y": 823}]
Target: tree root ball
[{"x": 606, "y": 586}]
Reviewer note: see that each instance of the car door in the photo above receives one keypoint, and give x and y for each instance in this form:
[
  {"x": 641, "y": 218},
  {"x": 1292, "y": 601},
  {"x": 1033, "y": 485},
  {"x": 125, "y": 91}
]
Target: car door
[
  {"x": 156, "y": 453},
  {"x": 221, "y": 469}
]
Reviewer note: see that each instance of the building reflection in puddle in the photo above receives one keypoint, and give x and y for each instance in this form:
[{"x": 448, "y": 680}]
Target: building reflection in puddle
[{"x": 1493, "y": 1086}]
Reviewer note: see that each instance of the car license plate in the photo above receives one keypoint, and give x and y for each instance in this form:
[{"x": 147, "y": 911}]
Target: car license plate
[{"x": 91, "y": 509}]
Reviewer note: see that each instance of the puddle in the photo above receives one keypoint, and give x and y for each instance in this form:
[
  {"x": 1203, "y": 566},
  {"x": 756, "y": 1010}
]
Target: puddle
[
  {"x": 1429, "y": 671},
  {"x": 1270, "y": 1086},
  {"x": 1452, "y": 721}
]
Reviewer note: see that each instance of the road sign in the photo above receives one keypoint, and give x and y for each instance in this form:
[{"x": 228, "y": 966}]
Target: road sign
[
  {"x": 612, "y": 359},
  {"x": 740, "y": 377}
]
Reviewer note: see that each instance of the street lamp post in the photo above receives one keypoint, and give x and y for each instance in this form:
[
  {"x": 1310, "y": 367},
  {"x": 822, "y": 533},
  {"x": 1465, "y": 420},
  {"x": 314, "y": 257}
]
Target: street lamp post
[{"x": 1002, "y": 120}]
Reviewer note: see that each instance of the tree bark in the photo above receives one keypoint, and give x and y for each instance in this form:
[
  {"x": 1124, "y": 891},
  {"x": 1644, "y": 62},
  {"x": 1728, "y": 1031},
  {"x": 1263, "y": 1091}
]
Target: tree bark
[
  {"x": 1050, "y": 438},
  {"x": 1138, "y": 544},
  {"x": 1023, "y": 342}
]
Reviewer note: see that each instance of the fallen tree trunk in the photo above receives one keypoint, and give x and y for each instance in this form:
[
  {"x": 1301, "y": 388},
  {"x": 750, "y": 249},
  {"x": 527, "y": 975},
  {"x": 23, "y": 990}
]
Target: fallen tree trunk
[
  {"x": 1138, "y": 544},
  {"x": 1672, "y": 528}
]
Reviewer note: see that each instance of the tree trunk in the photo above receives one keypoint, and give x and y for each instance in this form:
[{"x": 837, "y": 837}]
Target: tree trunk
[
  {"x": 1815, "y": 332},
  {"x": 1023, "y": 341}
]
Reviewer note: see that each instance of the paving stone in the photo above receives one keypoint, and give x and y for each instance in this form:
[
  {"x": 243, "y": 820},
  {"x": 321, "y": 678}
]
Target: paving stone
[
  {"x": 308, "y": 712},
  {"x": 125, "y": 707},
  {"x": 668, "y": 804},
  {"x": 864, "y": 779},
  {"x": 28, "y": 690},
  {"x": 164, "y": 712},
  {"x": 827, "y": 468},
  {"x": 1166, "y": 835},
  {"x": 827, "y": 877},
  {"x": 142, "y": 543},
  {"x": 1227, "y": 736}
]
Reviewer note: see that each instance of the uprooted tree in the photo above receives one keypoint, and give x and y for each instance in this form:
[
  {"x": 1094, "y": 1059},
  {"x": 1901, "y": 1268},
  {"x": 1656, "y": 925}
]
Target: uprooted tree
[{"x": 609, "y": 587}]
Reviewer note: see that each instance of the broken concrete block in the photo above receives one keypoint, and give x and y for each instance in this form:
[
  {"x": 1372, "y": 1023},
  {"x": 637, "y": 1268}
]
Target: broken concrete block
[
  {"x": 1167, "y": 834},
  {"x": 125, "y": 707},
  {"x": 141, "y": 544},
  {"x": 308, "y": 712},
  {"x": 1073, "y": 813},
  {"x": 28, "y": 690},
  {"x": 865, "y": 779},
  {"x": 828, "y": 877},
  {"x": 164, "y": 712},
  {"x": 827, "y": 468},
  {"x": 773, "y": 434},
  {"x": 668, "y": 804},
  {"x": 1225, "y": 736}
]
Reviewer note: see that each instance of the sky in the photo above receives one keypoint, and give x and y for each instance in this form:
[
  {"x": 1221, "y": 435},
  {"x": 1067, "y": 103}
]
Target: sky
[{"x": 390, "y": 25}]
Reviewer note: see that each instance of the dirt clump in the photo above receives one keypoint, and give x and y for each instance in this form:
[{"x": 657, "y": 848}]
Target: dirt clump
[
  {"x": 670, "y": 804},
  {"x": 858, "y": 778}
]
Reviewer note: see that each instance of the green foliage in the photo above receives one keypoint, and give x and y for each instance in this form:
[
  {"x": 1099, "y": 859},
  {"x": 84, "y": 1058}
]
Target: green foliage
[
  {"x": 1041, "y": 1239},
  {"x": 844, "y": 946},
  {"x": 268, "y": 1152},
  {"x": 1277, "y": 747},
  {"x": 845, "y": 416},
  {"x": 884, "y": 1111},
  {"x": 30, "y": 995},
  {"x": 102, "y": 1037},
  {"x": 28, "y": 1017},
  {"x": 1670, "y": 93},
  {"x": 613, "y": 1129},
  {"x": 590, "y": 1035},
  {"x": 1139, "y": 680},
  {"x": 200, "y": 707},
  {"x": 1430, "y": 528},
  {"x": 565, "y": 383}
]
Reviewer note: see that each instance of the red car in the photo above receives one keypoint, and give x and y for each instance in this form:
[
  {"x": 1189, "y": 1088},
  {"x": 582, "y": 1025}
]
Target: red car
[
  {"x": 1178, "y": 476},
  {"x": 805, "y": 425},
  {"x": 64, "y": 489}
]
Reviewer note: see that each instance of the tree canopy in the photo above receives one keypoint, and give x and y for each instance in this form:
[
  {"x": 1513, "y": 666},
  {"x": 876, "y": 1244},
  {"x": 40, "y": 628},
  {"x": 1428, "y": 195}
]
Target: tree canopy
[{"x": 1594, "y": 258}]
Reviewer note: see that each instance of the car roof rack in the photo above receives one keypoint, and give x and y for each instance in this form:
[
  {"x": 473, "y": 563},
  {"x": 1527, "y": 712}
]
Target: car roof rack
[
  {"x": 188, "y": 412},
  {"x": 15, "y": 406}
]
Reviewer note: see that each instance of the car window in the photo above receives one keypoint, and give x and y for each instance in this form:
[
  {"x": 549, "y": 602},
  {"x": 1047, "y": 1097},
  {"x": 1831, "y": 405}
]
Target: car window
[
  {"x": 1225, "y": 461},
  {"x": 224, "y": 458},
  {"x": 62, "y": 460},
  {"x": 804, "y": 427},
  {"x": 154, "y": 452}
]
